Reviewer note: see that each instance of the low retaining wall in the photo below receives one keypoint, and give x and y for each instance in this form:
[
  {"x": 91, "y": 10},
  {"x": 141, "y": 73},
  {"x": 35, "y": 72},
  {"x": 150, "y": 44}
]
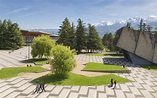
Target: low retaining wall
[{"x": 110, "y": 71}]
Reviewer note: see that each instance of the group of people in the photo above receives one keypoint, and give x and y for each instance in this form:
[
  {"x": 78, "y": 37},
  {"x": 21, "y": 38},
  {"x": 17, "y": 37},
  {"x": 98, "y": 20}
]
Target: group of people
[
  {"x": 113, "y": 82},
  {"x": 40, "y": 86},
  {"x": 29, "y": 65}
]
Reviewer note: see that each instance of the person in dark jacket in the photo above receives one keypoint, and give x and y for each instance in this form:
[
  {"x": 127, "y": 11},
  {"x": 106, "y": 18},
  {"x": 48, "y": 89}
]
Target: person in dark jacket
[
  {"x": 37, "y": 89},
  {"x": 42, "y": 86},
  {"x": 111, "y": 83},
  {"x": 114, "y": 84}
]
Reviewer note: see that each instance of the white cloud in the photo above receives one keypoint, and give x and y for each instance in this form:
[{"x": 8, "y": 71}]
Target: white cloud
[
  {"x": 122, "y": 8},
  {"x": 19, "y": 10},
  {"x": 32, "y": 13}
]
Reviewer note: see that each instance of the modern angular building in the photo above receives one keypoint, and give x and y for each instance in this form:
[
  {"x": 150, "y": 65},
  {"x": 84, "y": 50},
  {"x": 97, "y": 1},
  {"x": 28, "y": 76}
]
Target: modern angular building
[{"x": 139, "y": 47}]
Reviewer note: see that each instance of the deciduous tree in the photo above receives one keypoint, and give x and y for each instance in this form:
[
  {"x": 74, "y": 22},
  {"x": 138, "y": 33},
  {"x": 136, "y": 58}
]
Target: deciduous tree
[
  {"x": 42, "y": 46},
  {"x": 63, "y": 60}
]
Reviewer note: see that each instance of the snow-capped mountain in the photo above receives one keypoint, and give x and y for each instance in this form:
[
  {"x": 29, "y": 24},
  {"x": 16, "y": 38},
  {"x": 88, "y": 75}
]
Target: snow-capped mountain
[{"x": 111, "y": 26}]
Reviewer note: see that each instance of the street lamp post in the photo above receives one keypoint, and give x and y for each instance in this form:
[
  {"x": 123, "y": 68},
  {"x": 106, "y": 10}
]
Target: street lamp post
[
  {"x": 29, "y": 43},
  {"x": 28, "y": 51},
  {"x": 28, "y": 46}
]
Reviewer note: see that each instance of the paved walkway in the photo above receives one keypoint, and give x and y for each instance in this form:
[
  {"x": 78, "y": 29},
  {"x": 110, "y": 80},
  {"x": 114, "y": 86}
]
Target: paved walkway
[
  {"x": 144, "y": 84},
  {"x": 14, "y": 58}
]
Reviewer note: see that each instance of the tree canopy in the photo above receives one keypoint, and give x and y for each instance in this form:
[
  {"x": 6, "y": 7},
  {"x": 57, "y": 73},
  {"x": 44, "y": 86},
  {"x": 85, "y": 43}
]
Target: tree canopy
[
  {"x": 93, "y": 40},
  {"x": 67, "y": 34},
  {"x": 144, "y": 27},
  {"x": 10, "y": 35},
  {"x": 108, "y": 41},
  {"x": 64, "y": 32},
  {"x": 72, "y": 37},
  {"x": 42, "y": 46},
  {"x": 80, "y": 36},
  {"x": 63, "y": 60}
]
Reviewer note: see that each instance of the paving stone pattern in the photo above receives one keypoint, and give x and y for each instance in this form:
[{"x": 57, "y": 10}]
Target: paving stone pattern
[{"x": 143, "y": 85}]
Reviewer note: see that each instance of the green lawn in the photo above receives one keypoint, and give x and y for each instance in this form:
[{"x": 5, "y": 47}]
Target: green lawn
[
  {"x": 100, "y": 54},
  {"x": 80, "y": 80},
  {"x": 152, "y": 67},
  {"x": 102, "y": 67},
  {"x": 14, "y": 71},
  {"x": 113, "y": 55},
  {"x": 37, "y": 61},
  {"x": 94, "y": 54}
]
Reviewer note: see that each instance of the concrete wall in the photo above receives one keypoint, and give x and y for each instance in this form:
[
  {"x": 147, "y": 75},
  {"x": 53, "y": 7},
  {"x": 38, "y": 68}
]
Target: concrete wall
[
  {"x": 127, "y": 40},
  {"x": 155, "y": 54},
  {"x": 145, "y": 47},
  {"x": 142, "y": 44}
]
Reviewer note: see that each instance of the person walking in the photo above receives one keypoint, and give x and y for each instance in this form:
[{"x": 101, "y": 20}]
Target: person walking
[
  {"x": 37, "y": 89},
  {"x": 42, "y": 86},
  {"x": 111, "y": 82},
  {"x": 114, "y": 84}
]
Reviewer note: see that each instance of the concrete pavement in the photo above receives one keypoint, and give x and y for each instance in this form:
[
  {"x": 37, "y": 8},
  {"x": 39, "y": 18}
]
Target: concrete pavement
[{"x": 143, "y": 85}]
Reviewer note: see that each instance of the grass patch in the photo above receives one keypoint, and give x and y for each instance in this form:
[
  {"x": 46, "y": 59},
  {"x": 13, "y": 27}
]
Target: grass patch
[
  {"x": 102, "y": 67},
  {"x": 94, "y": 54},
  {"x": 75, "y": 79},
  {"x": 14, "y": 71},
  {"x": 113, "y": 55},
  {"x": 100, "y": 54},
  {"x": 37, "y": 61},
  {"x": 152, "y": 67}
]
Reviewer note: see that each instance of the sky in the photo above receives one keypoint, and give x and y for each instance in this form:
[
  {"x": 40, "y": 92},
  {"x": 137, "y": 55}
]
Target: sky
[{"x": 49, "y": 14}]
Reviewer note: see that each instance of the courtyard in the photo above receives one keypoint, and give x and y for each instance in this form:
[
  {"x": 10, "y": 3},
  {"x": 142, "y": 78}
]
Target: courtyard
[{"x": 143, "y": 85}]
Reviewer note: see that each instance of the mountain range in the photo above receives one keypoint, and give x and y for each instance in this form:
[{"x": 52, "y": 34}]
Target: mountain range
[{"x": 111, "y": 26}]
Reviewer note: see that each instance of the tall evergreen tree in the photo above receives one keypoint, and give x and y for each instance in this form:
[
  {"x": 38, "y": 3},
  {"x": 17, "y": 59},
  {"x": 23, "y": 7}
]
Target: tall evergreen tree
[
  {"x": 10, "y": 35},
  {"x": 108, "y": 41},
  {"x": 149, "y": 28},
  {"x": 72, "y": 38},
  {"x": 144, "y": 28},
  {"x": 64, "y": 33},
  {"x": 1, "y": 33},
  {"x": 141, "y": 25},
  {"x": 80, "y": 36},
  {"x": 94, "y": 41},
  {"x": 128, "y": 25}
]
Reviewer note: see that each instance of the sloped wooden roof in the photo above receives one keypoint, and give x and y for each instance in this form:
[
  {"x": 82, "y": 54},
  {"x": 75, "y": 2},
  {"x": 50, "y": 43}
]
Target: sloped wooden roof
[{"x": 33, "y": 33}]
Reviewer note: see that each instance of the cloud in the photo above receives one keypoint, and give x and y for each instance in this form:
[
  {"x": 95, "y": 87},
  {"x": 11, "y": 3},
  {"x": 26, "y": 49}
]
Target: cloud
[
  {"x": 19, "y": 10},
  {"x": 126, "y": 8},
  {"x": 32, "y": 13}
]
